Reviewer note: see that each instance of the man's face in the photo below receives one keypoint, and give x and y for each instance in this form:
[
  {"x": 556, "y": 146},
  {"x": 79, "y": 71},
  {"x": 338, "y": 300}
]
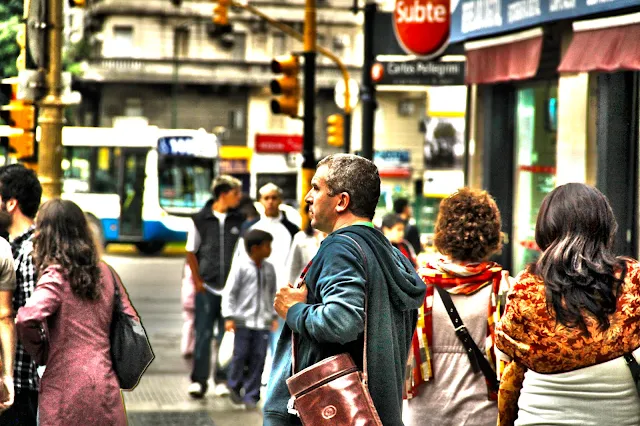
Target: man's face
[
  {"x": 271, "y": 202},
  {"x": 232, "y": 198},
  {"x": 322, "y": 206}
]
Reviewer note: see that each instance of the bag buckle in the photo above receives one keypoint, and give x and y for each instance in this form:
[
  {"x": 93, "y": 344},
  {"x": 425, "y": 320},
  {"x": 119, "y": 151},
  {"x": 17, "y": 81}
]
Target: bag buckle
[{"x": 291, "y": 406}]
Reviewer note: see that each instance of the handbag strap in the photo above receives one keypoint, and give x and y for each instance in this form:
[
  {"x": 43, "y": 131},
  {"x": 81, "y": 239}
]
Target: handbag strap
[
  {"x": 476, "y": 357},
  {"x": 634, "y": 368},
  {"x": 117, "y": 301},
  {"x": 294, "y": 340}
]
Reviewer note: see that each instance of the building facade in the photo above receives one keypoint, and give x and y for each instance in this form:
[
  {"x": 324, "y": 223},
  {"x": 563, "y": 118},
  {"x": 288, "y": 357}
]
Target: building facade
[
  {"x": 554, "y": 99},
  {"x": 157, "y": 63}
]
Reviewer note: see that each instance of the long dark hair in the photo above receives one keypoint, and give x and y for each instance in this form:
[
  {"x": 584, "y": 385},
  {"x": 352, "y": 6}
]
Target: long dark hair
[
  {"x": 575, "y": 230},
  {"x": 63, "y": 237}
]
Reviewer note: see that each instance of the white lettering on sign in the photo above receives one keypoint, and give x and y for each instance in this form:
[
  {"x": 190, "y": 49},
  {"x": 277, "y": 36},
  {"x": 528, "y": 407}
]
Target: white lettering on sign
[
  {"x": 560, "y": 5},
  {"x": 481, "y": 14},
  {"x": 418, "y": 13},
  {"x": 396, "y": 68},
  {"x": 426, "y": 68},
  {"x": 523, "y": 9}
]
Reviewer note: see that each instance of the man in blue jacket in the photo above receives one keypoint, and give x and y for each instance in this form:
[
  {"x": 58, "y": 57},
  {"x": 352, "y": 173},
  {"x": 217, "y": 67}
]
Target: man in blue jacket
[{"x": 328, "y": 312}]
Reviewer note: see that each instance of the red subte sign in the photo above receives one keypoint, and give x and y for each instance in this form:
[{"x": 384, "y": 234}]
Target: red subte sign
[{"x": 422, "y": 26}]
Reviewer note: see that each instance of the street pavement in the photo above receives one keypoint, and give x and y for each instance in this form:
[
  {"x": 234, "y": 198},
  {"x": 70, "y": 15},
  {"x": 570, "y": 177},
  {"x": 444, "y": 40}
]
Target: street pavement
[{"x": 153, "y": 284}]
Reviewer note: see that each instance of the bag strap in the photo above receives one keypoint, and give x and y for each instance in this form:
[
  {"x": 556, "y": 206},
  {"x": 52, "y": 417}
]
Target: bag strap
[
  {"x": 476, "y": 357},
  {"x": 117, "y": 301},
  {"x": 634, "y": 368},
  {"x": 294, "y": 340}
]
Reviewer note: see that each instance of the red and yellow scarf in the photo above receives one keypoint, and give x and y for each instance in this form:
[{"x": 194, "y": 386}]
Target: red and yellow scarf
[{"x": 456, "y": 278}]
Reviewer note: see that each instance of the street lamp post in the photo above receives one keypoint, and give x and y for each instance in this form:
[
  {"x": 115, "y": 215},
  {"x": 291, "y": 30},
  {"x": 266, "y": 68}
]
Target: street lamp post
[{"x": 51, "y": 116}]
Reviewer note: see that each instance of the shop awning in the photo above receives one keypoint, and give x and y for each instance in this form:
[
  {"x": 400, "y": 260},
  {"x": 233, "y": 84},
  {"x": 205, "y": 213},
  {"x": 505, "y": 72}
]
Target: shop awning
[
  {"x": 511, "y": 57},
  {"x": 606, "y": 44}
]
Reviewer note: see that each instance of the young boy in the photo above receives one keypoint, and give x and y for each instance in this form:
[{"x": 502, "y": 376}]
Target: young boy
[
  {"x": 247, "y": 306},
  {"x": 393, "y": 228}
]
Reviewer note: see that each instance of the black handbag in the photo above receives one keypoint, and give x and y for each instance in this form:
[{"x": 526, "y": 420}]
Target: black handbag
[{"x": 131, "y": 352}]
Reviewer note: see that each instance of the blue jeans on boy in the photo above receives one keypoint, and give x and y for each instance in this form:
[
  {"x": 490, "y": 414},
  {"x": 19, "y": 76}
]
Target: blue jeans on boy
[
  {"x": 208, "y": 316},
  {"x": 250, "y": 351}
]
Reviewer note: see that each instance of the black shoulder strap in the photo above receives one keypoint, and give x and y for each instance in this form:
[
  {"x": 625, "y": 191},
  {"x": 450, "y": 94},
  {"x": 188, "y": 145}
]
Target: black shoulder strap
[
  {"x": 476, "y": 357},
  {"x": 635, "y": 369}
]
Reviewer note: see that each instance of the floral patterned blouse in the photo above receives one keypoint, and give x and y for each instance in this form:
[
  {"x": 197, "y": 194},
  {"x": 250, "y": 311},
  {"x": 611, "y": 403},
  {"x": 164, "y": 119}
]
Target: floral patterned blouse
[{"x": 529, "y": 334}]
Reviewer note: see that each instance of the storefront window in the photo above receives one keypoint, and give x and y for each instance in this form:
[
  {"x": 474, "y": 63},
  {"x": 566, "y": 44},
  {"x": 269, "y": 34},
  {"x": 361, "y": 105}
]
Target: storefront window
[{"x": 536, "y": 123}]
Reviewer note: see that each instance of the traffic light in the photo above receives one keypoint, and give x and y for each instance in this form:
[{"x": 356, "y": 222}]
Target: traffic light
[
  {"x": 221, "y": 18},
  {"x": 77, "y": 3},
  {"x": 335, "y": 130},
  {"x": 287, "y": 86},
  {"x": 23, "y": 117},
  {"x": 19, "y": 117}
]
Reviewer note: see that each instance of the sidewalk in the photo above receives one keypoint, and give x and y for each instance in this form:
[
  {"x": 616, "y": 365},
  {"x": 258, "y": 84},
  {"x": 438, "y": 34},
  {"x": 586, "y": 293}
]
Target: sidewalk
[{"x": 161, "y": 398}]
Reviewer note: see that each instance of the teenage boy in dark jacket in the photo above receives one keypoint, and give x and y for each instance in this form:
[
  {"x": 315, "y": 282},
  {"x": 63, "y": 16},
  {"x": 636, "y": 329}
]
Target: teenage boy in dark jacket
[
  {"x": 210, "y": 247},
  {"x": 328, "y": 312}
]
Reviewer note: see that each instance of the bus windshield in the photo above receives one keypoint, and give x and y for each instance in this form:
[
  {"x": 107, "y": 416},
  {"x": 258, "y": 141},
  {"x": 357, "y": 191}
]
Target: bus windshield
[{"x": 184, "y": 181}]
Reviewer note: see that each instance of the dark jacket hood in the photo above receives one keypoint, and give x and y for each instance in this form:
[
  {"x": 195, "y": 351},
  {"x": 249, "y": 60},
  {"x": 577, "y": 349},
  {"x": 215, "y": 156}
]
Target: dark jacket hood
[{"x": 405, "y": 286}]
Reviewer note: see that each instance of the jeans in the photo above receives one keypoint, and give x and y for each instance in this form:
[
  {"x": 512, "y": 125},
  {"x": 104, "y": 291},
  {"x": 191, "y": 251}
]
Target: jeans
[
  {"x": 250, "y": 351},
  {"x": 208, "y": 315}
]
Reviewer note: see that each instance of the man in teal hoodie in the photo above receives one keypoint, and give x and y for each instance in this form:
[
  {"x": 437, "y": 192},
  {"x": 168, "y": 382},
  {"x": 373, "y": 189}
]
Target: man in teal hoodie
[{"x": 328, "y": 312}]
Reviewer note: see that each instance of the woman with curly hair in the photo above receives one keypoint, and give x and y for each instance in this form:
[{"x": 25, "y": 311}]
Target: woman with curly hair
[
  {"x": 444, "y": 383},
  {"x": 572, "y": 321},
  {"x": 65, "y": 323}
]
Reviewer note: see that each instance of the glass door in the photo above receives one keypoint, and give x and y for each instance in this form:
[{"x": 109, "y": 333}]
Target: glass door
[
  {"x": 535, "y": 168},
  {"x": 132, "y": 175}
]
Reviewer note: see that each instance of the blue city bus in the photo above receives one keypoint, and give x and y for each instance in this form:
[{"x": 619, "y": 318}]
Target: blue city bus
[{"x": 139, "y": 185}]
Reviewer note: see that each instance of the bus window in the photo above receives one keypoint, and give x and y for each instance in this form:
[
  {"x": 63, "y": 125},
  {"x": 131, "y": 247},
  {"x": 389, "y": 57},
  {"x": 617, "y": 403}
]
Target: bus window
[
  {"x": 105, "y": 177},
  {"x": 184, "y": 181},
  {"x": 89, "y": 170},
  {"x": 76, "y": 169}
]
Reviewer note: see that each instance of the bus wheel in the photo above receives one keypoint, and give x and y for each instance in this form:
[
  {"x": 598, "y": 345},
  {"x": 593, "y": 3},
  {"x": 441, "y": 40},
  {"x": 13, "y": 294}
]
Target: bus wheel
[{"x": 150, "y": 247}]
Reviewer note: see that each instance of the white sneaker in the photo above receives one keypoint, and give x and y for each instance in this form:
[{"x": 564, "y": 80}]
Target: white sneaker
[
  {"x": 221, "y": 390},
  {"x": 196, "y": 390}
]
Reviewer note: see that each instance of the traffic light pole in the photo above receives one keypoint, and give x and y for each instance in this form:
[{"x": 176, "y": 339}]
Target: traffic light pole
[
  {"x": 52, "y": 110},
  {"x": 321, "y": 50},
  {"x": 368, "y": 96},
  {"x": 309, "y": 127},
  {"x": 347, "y": 131}
]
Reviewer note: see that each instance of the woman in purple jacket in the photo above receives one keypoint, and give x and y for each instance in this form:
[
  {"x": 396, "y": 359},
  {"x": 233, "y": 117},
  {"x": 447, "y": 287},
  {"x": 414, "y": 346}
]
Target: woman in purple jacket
[{"x": 65, "y": 324}]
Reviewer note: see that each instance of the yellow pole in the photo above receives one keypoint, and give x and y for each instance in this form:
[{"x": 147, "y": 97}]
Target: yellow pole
[{"x": 52, "y": 110}]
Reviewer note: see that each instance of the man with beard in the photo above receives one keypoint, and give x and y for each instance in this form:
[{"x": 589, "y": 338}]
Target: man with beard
[
  {"x": 355, "y": 263},
  {"x": 20, "y": 194}
]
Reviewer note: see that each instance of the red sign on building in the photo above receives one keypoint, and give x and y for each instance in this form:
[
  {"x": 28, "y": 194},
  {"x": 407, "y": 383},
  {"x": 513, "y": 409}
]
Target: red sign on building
[
  {"x": 278, "y": 144},
  {"x": 422, "y": 26}
]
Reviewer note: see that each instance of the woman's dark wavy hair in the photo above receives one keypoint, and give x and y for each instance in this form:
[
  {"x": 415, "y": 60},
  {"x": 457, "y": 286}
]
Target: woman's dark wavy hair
[
  {"x": 63, "y": 237},
  {"x": 575, "y": 230}
]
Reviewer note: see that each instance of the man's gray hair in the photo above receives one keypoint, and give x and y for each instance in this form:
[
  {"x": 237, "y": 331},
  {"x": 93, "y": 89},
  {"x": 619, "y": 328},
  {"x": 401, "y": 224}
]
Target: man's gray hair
[
  {"x": 356, "y": 176},
  {"x": 269, "y": 188},
  {"x": 223, "y": 184}
]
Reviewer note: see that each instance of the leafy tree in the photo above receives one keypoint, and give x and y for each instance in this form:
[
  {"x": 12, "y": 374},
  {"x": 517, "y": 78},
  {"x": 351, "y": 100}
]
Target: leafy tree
[{"x": 10, "y": 17}]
